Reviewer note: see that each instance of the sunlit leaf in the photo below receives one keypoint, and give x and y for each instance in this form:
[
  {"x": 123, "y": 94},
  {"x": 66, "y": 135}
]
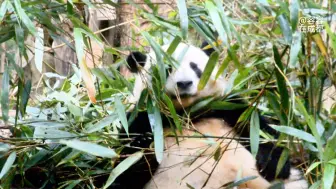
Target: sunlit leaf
[
  {"x": 90, "y": 148},
  {"x": 328, "y": 176},
  {"x": 294, "y": 13},
  {"x": 156, "y": 124},
  {"x": 86, "y": 74},
  {"x": 211, "y": 64},
  {"x": 39, "y": 49},
  {"x": 285, "y": 28},
  {"x": 24, "y": 17},
  {"x": 121, "y": 113},
  {"x": 295, "y": 49},
  {"x": 9, "y": 162},
  {"x": 295, "y": 132},
  {"x": 122, "y": 167},
  {"x": 216, "y": 20},
  {"x": 254, "y": 132},
  {"x": 5, "y": 94},
  {"x": 184, "y": 19}
]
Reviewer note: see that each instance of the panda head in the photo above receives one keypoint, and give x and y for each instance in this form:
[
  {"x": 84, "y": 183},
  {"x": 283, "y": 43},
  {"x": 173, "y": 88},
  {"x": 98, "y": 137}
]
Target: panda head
[{"x": 183, "y": 79}]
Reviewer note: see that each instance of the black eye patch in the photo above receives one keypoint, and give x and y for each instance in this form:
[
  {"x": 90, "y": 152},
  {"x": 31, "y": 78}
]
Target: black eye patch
[{"x": 194, "y": 67}]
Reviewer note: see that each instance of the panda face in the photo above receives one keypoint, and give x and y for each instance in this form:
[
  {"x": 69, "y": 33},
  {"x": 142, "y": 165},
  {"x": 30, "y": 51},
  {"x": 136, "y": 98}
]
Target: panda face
[{"x": 183, "y": 79}]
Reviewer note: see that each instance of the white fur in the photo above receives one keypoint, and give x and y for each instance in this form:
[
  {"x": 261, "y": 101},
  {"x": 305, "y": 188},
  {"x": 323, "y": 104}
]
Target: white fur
[
  {"x": 184, "y": 55},
  {"x": 236, "y": 161}
]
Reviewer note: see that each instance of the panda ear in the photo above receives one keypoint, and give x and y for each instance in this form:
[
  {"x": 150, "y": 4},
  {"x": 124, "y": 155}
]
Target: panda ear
[
  {"x": 207, "y": 51},
  {"x": 135, "y": 59}
]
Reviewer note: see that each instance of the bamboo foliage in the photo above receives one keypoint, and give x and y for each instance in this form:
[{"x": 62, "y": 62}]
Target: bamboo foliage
[{"x": 267, "y": 50}]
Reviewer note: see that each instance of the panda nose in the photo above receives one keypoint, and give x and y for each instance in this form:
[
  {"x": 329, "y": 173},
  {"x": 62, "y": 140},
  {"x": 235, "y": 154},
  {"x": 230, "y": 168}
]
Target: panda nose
[{"x": 184, "y": 84}]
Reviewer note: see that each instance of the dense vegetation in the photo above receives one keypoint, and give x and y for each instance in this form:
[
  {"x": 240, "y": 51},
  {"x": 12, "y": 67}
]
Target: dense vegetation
[{"x": 67, "y": 135}]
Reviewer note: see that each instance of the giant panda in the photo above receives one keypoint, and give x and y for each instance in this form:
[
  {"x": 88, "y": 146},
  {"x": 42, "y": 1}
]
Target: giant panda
[{"x": 191, "y": 161}]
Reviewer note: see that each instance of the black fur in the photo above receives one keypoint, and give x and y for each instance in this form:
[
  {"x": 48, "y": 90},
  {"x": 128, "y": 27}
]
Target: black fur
[
  {"x": 134, "y": 59},
  {"x": 267, "y": 157},
  {"x": 194, "y": 67},
  {"x": 207, "y": 51}
]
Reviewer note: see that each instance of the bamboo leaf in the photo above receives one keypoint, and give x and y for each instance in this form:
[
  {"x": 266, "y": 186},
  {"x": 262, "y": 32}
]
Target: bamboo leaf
[
  {"x": 184, "y": 19},
  {"x": 3, "y": 9},
  {"x": 223, "y": 105},
  {"x": 254, "y": 132},
  {"x": 90, "y": 148},
  {"x": 216, "y": 20},
  {"x": 121, "y": 113},
  {"x": 39, "y": 49},
  {"x": 157, "y": 127},
  {"x": 86, "y": 74},
  {"x": 282, "y": 88},
  {"x": 211, "y": 64},
  {"x": 172, "y": 110},
  {"x": 122, "y": 167},
  {"x": 295, "y": 132},
  {"x": 158, "y": 54},
  {"x": 24, "y": 17},
  {"x": 282, "y": 161},
  {"x": 106, "y": 121},
  {"x": 295, "y": 50},
  {"x": 328, "y": 176},
  {"x": 294, "y": 13},
  {"x": 9, "y": 162},
  {"x": 285, "y": 28},
  {"x": 312, "y": 167},
  {"x": 320, "y": 43},
  {"x": 5, "y": 94}
]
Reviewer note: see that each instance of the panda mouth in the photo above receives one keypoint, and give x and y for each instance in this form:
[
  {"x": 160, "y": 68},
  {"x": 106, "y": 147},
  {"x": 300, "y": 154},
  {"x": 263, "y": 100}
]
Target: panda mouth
[{"x": 183, "y": 95}]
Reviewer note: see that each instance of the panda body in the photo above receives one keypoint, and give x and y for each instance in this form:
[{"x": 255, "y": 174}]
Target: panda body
[{"x": 190, "y": 162}]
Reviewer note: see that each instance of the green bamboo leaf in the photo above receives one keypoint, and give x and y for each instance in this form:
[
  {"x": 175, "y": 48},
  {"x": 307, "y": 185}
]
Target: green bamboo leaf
[
  {"x": 282, "y": 88},
  {"x": 39, "y": 49},
  {"x": 159, "y": 59},
  {"x": 333, "y": 161},
  {"x": 121, "y": 113},
  {"x": 9, "y": 162},
  {"x": 285, "y": 28},
  {"x": 211, "y": 64},
  {"x": 239, "y": 182},
  {"x": 201, "y": 104},
  {"x": 254, "y": 132},
  {"x": 295, "y": 49},
  {"x": 172, "y": 110},
  {"x": 106, "y": 121},
  {"x": 329, "y": 151},
  {"x": 328, "y": 176},
  {"x": 282, "y": 160},
  {"x": 216, "y": 20},
  {"x": 24, "y": 17},
  {"x": 233, "y": 56},
  {"x": 223, "y": 105},
  {"x": 173, "y": 45},
  {"x": 184, "y": 19},
  {"x": 122, "y": 167},
  {"x": 91, "y": 148},
  {"x": 224, "y": 18},
  {"x": 223, "y": 66},
  {"x": 311, "y": 124},
  {"x": 275, "y": 105},
  {"x": 3, "y": 9},
  {"x": 294, "y": 13},
  {"x": 155, "y": 121},
  {"x": 295, "y": 132},
  {"x": 20, "y": 40},
  {"x": 5, "y": 94},
  {"x": 72, "y": 184},
  {"x": 332, "y": 36},
  {"x": 24, "y": 95},
  {"x": 312, "y": 167}
]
